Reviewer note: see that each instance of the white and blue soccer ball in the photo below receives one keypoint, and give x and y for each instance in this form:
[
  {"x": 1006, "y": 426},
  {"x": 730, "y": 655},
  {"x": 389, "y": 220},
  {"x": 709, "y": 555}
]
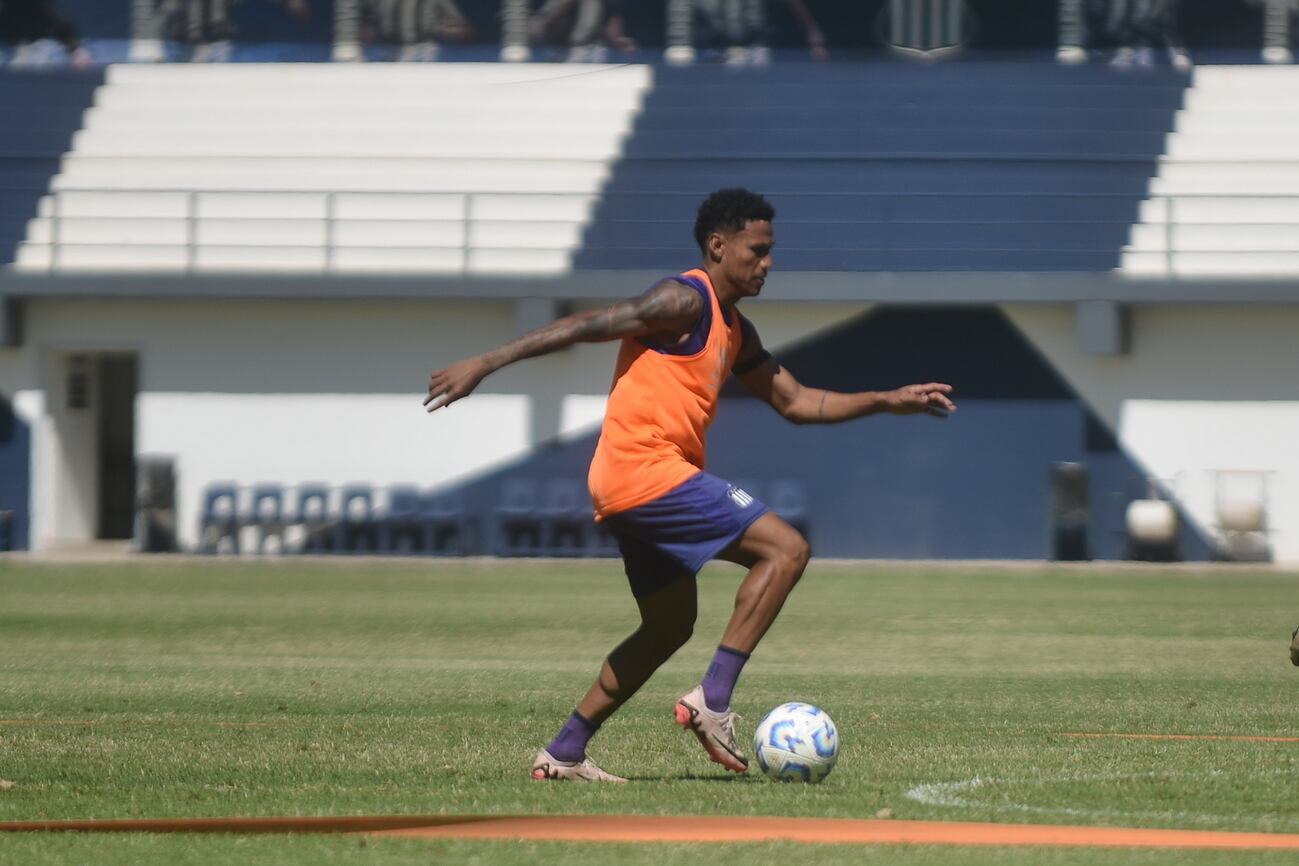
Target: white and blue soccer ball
[{"x": 796, "y": 742}]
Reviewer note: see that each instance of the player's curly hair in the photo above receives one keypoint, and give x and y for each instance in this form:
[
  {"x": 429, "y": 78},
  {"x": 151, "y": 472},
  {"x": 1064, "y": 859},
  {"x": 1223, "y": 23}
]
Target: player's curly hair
[{"x": 727, "y": 210}]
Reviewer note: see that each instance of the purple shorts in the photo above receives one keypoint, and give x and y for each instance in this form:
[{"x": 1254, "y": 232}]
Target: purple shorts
[{"x": 683, "y": 529}]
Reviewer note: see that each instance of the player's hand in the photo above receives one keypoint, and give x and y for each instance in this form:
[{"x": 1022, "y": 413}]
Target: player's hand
[
  {"x": 931, "y": 399},
  {"x": 449, "y": 385}
]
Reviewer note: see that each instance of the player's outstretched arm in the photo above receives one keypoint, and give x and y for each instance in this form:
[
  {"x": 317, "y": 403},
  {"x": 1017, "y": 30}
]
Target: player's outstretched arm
[
  {"x": 772, "y": 383},
  {"x": 668, "y": 311}
]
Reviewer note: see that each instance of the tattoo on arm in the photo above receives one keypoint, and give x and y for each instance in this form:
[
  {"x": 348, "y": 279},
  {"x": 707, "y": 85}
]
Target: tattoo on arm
[{"x": 664, "y": 307}]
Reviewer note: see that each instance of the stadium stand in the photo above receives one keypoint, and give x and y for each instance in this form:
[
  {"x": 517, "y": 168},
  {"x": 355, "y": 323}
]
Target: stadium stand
[
  {"x": 284, "y": 168},
  {"x": 454, "y": 168},
  {"x": 1226, "y": 198}
]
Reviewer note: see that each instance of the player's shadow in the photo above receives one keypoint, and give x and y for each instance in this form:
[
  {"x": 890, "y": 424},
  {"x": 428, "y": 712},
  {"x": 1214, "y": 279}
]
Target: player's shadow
[{"x": 697, "y": 777}]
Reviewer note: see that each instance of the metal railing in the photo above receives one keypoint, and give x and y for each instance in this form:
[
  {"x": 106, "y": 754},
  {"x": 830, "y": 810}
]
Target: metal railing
[
  {"x": 464, "y": 210},
  {"x": 463, "y": 203}
]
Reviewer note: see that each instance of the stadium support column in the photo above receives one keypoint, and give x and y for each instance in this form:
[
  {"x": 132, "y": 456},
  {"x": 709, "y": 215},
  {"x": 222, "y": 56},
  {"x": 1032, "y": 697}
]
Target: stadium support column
[
  {"x": 514, "y": 32},
  {"x": 680, "y": 50},
  {"x": 11, "y": 333},
  {"x": 347, "y": 31},
  {"x": 146, "y": 33},
  {"x": 1276, "y": 32}
]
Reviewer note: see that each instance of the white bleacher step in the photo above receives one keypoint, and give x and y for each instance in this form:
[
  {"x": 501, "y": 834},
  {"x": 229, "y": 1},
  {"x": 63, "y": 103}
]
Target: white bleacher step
[
  {"x": 399, "y": 233},
  {"x": 537, "y": 208},
  {"x": 1238, "y": 238},
  {"x": 367, "y": 259},
  {"x": 111, "y": 203},
  {"x": 1233, "y": 121},
  {"x": 260, "y": 258},
  {"x": 1222, "y": 209},
  {"x": 36, "y": 257},
  {"x": 612, "y": 104},
  {"x": 359, "y": 175},
  {"x": 246, "y": 232},
  {"x": 372, "y": 76},
  {"x": 422, "y": 119},
  {"x": 525, "y": 235},
  {"x": 1235, "y": 146},
  {"x": 519, "y": 261},
  {"x": 108, "y": 230},
  {"x": 100, "y": 257},
  {"x": 1210, "y": 263},
  {"x": 209, "y": 233},
  {"x": 115, "y": 203},
  {"x": 351, "y": 144},
  {"x": 1241, "y": 178},
  {"x": 1246, "y": 78}
]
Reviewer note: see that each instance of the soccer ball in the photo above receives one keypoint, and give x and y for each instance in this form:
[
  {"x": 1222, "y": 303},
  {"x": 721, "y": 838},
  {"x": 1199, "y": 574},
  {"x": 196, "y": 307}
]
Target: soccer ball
[{"x": 796, "y": 742}]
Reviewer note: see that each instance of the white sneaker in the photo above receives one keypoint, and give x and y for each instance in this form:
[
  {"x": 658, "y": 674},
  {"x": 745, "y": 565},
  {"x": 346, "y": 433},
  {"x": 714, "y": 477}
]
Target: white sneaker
[
  {"x": 545, "y": 767},
  {"x": 1071, "y": 55},
  {"x": 715, "y": 731},
  {"x": 1277, "y": 54}
]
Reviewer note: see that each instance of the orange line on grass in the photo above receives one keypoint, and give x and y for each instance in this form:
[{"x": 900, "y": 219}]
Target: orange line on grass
[
  {"x": 650, "y": 828},
  {"x": 1237, "y": 739}
]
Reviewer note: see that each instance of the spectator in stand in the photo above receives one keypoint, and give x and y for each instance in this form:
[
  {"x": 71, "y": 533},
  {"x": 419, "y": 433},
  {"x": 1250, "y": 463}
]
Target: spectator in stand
[
  {"x": 1139, "y": 27},
  {"x": 589, "y": 28},
  {"x": 40, "y": 34},
  {"x": 418, "y": 26},
  {"x": 1277, "y": 15},
  {"x": 741, "y": 25},
  {"x": 1136, "y": 26},
  {"x": 206, "y": 25}
]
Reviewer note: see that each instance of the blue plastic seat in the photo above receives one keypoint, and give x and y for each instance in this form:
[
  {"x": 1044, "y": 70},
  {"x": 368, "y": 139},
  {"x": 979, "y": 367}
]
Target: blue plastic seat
[
  {"x": 266, "y": 515},
  {"x": 357, "y": 530},
  {"x": 566, "y": 517},
  {"x": 518, "y": 518},
  {"x": 219, "y": 519},
  {"x": 312, "y": 514}
]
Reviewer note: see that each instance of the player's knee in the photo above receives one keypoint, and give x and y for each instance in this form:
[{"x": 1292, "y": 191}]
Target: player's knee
[
  {"x": 795, "y": 553},
  {"x": 674, "y": 636},
  {"x": 670, "y": 634}
]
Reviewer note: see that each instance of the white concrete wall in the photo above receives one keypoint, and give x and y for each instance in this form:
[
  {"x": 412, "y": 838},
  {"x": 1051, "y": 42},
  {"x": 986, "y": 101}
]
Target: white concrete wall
[
  {"x": 1205, "y": 388},
  {"x": 308, "y": 391}
]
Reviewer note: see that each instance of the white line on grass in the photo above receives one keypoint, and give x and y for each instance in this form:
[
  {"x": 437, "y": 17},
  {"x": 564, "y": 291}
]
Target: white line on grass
[{"x": 954, "y": 795}]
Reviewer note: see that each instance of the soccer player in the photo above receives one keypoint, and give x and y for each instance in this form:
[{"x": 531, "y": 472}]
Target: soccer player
[{"x": 680, "y": 340}]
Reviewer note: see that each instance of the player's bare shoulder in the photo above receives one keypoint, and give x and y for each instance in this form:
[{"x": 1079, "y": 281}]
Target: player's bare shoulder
[{"x": 670, "y": 308}]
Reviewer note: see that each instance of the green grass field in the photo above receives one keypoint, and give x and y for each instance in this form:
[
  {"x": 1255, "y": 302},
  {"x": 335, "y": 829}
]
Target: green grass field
[{"x": 204, "y": 688}]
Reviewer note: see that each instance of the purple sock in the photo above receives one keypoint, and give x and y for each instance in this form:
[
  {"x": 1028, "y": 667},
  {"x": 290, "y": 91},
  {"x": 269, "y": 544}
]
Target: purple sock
[
  {"x": 719, "y": 682},
  {"x": 570, "y": 743}
]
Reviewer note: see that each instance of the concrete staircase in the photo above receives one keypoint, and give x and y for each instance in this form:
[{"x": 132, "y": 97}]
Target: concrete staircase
[
  {"x": 1226, "y": 198},
  {"x": 448, "y": 168}
]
